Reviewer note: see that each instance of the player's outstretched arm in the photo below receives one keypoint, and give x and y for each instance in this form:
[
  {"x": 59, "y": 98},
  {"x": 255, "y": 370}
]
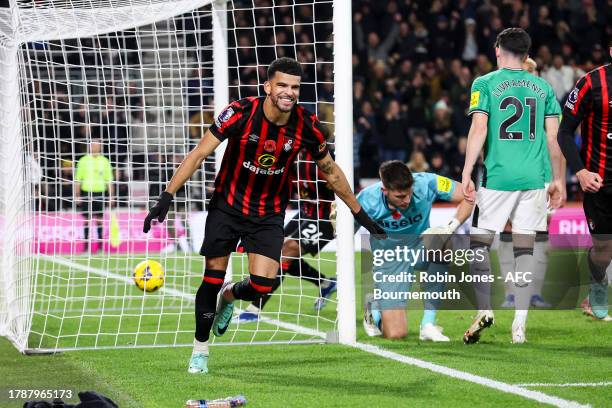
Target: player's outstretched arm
[
  {"x": 337, "y": 181},
  {"x": 189, "y": 165},
  {"x": 436, "y": 237},
  {"x": 476, "y": 140}
]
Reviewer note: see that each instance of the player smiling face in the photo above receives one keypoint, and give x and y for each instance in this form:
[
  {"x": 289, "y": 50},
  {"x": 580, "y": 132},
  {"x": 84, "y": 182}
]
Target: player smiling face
[{"x": 283, "y": 90}]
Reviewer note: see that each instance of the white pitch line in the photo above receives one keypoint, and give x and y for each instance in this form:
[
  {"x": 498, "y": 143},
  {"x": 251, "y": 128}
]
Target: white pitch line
[
  {"x": 450, "y": 372},
  {"x": 462, "y": 375},
  {"x": 593, "y": 384}
]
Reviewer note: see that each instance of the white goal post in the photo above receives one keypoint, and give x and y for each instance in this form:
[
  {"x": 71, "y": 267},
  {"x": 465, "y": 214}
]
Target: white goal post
[{"x": 146, "y": 77}]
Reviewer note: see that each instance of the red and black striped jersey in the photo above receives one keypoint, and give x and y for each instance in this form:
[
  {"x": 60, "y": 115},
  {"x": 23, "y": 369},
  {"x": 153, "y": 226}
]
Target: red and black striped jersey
[
  {"x": 591, "y": 102},
  {"x": 255, "y": 174},
  {"x": 315, "y": 195}
]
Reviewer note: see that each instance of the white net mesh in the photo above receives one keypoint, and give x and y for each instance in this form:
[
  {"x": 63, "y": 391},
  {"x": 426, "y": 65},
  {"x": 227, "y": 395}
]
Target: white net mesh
[{"x": 138, "y": 76}]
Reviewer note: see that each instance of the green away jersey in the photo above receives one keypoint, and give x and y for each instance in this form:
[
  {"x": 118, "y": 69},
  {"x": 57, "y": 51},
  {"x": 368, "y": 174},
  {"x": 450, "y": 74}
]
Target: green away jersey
[{"x": 517, "y": 103}]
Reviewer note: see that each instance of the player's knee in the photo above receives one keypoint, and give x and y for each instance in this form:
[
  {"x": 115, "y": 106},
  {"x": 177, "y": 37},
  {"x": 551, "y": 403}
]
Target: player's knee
[
  {"x": 291, "y": 248},
  {"x": 218, "y": 263},
  {"x": 394, "y": 333},
  {"x": 253, "y": 288}
]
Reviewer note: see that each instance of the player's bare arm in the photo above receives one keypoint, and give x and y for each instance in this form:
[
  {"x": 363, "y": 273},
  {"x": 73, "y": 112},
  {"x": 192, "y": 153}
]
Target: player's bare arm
[
  {"x": 556, "y": 190},
  {"x": 476, "y": 140},
  {"x": 337, "y": 181},
  {"x": 189, "y": 165},
  {"x": 464, "y": 210},
  {"x": 193, "y": 161}
]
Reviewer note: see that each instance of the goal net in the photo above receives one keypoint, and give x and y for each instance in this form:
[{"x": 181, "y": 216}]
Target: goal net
[{"x": 141, "y": 79}]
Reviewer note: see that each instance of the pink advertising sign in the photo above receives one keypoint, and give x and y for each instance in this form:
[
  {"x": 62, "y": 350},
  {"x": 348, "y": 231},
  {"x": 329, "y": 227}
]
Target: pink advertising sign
[{"x": 63, "y": 233}]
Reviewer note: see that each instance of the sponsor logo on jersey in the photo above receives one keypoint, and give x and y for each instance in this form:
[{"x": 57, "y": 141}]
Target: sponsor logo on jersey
[
  {"x": 474, "y": 99},
  {"x": 259, "y": 170},
  {"x": 266, "y": 160},
  {"x": 396, "y": 224},
  {"x": 444, "y": 184},
  {"x": 269, "y": 146}
]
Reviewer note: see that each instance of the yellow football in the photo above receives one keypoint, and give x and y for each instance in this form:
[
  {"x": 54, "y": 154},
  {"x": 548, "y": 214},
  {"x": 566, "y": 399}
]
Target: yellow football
[{"x": 149, "y": 275}]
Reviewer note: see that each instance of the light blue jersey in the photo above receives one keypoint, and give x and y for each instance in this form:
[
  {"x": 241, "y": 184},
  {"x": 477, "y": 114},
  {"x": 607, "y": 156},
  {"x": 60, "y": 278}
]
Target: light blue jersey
[
  {"x": 427, "y": 188},
  {"x": 404, "y": 227}
]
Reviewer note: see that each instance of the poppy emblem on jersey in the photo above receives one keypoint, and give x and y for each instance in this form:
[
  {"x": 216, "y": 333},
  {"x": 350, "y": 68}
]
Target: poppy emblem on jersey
[
  {"x": 288, "y": 145},
  {"x": 266, "y": 160},
  {"x": 396, "y": 215},
  {"x": 270, "y": 146}
]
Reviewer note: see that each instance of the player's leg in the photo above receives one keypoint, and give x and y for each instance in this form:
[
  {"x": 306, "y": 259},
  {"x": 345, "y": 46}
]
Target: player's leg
[
  {"x": 220, "y": 239},
  {"x": 289, "y": 253},
  {"x": 385, "y": 308},
  {"x": 97, "y": 211},
  {"x": 491, "y": 213},
  {"x": 505, "y": 254},
  {"x": 263, "y": 242},
  {"x": 598, "y": 211},
  {"x": 528, "y": 217},
  {"x": 540, "y": 253},
  {"x": 393, "y": 323},
  {"x": 429, "y": 331},
  {"x": 314, "y": 235},
  {"x": 480, "y": 242}
]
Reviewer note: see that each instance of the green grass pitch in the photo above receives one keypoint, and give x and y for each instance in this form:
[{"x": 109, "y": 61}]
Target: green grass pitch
[{"x": 564, "y": 347}]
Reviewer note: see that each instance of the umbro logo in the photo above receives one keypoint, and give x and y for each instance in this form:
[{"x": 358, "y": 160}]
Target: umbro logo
[{"x": 253, "y": 138}]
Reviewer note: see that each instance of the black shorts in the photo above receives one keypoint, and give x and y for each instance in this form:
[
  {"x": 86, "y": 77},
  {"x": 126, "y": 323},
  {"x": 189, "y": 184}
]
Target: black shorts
[
  {"x": 223, "y": 231},
  {"x": 92, "y": 204},
  {"x": 598, "y": 211},
  {"x": 312, "y": 234}
]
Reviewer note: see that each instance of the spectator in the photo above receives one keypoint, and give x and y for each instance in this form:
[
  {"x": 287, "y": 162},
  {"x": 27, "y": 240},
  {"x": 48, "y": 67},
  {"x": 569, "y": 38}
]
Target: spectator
[
  {"x": 560, "y": 77},
  {"x": 417, "y": 162},
  {"x": 469, "y": 49},
  {"x": 439, "y": 166},
  {"x": 393, "y": 133}
]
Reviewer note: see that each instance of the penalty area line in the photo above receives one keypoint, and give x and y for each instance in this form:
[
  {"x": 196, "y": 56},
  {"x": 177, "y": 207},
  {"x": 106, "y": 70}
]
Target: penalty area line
[{"x": 462, "y": 375}]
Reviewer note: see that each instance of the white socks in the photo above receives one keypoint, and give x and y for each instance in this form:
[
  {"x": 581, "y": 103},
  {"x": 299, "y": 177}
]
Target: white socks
[{"x": 200, "y": 347}]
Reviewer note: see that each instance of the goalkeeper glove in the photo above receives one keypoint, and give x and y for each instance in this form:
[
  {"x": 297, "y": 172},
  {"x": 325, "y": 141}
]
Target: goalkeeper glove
[
  {"x": 436, "y": 237},
  {"x": 373, "y": 228},
  {"x": 159, "y": 210}
]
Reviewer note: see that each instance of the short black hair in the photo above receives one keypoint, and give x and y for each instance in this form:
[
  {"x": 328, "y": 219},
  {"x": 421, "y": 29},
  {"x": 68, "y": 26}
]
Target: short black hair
[
  {"x": 395, "y": 175},
  {"x": 286, "y": 66},
  {"x": 514, "y": 40}
]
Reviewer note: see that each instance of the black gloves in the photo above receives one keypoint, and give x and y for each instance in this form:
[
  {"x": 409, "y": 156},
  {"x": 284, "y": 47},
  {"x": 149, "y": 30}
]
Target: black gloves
[
  {"x": 159, "y": 210},
  {"x": 373, "y": 228}
]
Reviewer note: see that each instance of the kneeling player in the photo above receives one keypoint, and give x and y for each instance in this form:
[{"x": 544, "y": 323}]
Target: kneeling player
[{"x": 401, "y": 203}]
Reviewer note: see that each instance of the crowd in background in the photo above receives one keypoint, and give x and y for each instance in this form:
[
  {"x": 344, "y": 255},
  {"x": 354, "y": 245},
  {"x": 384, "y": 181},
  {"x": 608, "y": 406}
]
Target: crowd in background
[
  {"x": 414, "y": 63},
  {"x": 413, "y": 66}
]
